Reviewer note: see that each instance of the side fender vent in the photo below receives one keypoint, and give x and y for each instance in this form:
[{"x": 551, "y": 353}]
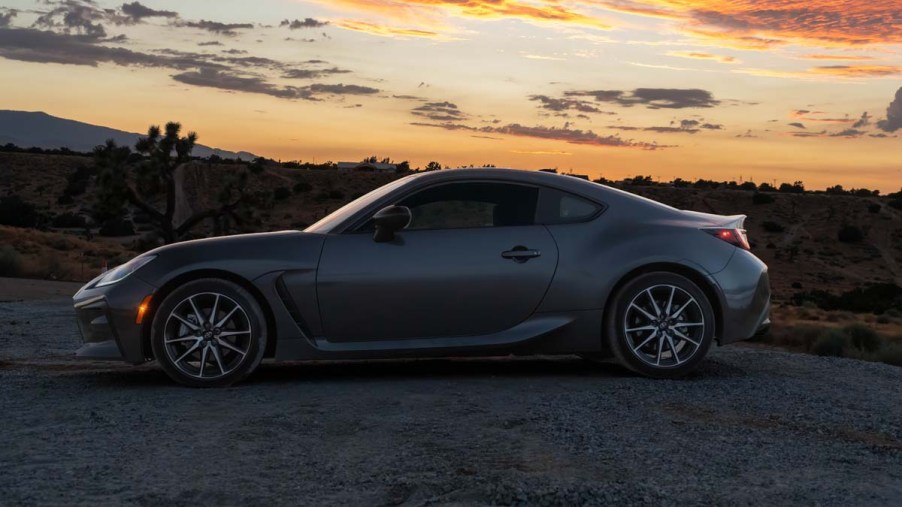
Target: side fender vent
[{"x": 292, "y": 308}]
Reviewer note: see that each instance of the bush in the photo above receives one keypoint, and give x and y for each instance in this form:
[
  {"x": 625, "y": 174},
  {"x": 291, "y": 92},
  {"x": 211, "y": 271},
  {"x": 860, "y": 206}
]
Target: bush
[
  {"x": 336, "y": 194},
  {"x": 891, "y": 353},
  {"x": 831, "y": 342},
  {"x": 117, "y": 226},
  {"x": 18, "y": 213},
  {"x": 850, "y": 234},
  {"x": 770, "y": 226},
  {"x": 281, "y": 193},
  {"x": 302, "y": 187},
  {"x": 759, "y": 198},
  {"x": 863, "y": 338},
  {"x": 874, "y": 208},
  {"x": 895, "y": 203},
  {"x": 69, "y": 220},
  {"x": 10, "y": 262},
  {"x": 875, "y": 298}
]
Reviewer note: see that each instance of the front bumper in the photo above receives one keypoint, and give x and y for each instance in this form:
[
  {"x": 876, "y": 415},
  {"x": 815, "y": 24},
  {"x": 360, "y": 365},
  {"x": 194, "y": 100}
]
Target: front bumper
[{"x": 106, "y": 320}]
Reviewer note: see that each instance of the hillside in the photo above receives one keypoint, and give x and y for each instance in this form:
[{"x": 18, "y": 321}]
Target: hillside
[
  {"x": 41, "y": 130},
  {"x": 796, "y": 234}
]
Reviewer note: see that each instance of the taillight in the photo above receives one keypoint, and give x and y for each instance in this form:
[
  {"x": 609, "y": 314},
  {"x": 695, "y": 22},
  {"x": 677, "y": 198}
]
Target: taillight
[{"x": 735, "y": 237}]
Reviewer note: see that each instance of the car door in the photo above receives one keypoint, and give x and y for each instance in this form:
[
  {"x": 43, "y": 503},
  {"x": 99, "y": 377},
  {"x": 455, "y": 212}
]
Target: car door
[{"x": 471, "y": 262}]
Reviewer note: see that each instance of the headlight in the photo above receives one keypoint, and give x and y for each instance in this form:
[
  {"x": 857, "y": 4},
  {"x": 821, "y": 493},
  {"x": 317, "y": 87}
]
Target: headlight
[{"x": 124, "y": 270}]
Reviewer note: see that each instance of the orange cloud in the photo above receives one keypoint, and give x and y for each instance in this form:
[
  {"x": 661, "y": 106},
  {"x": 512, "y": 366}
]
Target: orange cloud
[
  {"x": 811, "y": 22},
  {"x": 703, "y": 56},
  {"x": 854, "y": 58},
  {"x": 433, "y": 11},
  {"x": 385, "y": 31},
  {"x": 830, "y": 72},
  {"x": 858, "y": 70}
]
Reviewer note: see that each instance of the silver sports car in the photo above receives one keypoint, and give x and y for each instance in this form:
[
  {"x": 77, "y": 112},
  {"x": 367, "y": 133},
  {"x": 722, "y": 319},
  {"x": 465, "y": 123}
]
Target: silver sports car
[{"x": 449, "y": 263}]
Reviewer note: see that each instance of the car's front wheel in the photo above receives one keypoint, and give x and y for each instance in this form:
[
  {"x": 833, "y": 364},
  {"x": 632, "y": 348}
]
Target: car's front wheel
[
  {"x": 662, "y": 325},
  {"x": 209, "y": 333}
]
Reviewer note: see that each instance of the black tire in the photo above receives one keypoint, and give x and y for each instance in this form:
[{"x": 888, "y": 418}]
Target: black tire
[
  {"x": 641, "y": 360},
  {"x": 171, "y": 336}
]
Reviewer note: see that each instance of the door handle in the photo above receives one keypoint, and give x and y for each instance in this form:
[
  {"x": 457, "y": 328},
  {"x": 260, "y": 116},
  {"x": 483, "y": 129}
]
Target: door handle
[{"x": 521, "y": 254}]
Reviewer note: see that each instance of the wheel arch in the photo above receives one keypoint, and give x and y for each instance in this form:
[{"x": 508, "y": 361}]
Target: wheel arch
[
  {"x": 183, "y": 278},
  {"x": 694, "y": 275}
]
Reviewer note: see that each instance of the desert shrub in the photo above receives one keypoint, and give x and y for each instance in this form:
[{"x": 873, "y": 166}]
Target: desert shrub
[
  {"x": 10, "y": 262},
  {"x": 18, "y": 213},
  {"x": 863, "y": 338},
  {"x": 891, "y": 353},
  {"x": 850, "y": 234},
  {"x": 796, "y": 285},
  {"x": 117, "y": 226},
  {"x": 895, "y": 203},
  {"x": 68, "y": 220},
  {"x": 875, "y": 298},
  {"x": 281, "y": 193},
  {"x": 874, "y": 208},
  {"x": 760, "y": 198},
  {"x": 771, "y": 226},
  {"x": 51, "y": 267},
  {"x": 831, "y": 342},
  {"x": 894, "y": 313},
  {"x": 336, "y": 194},
  {"x": 302, "y": 187},
  {"x": 883, "y": 319}
]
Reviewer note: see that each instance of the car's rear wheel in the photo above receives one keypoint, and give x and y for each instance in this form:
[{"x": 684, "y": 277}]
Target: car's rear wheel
[
  {"x": 209, "y": 333},
  {"x": 661, "y": 326}
]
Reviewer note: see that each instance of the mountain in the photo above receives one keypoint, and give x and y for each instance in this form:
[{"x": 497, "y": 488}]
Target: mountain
[{"x": 37, "y": 129}]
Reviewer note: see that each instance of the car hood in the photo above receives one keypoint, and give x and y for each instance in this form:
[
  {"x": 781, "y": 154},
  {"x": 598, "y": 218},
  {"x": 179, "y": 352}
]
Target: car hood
[{"x": 246, "y": 255}]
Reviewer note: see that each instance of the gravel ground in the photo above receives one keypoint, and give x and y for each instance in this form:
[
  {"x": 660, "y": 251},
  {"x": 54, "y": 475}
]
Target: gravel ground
[{"x": 753, "y": 426}]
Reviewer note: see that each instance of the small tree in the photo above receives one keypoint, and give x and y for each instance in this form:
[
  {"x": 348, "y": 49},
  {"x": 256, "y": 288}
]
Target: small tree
[
  {"x": 121, "y": 172},
  {"x": 433, "y": 166}
]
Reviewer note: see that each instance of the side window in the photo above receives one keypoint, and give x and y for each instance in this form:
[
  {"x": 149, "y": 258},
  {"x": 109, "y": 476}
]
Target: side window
[
  {"x": 557, "y": 207},
  {"x": 469, "y": 205}
]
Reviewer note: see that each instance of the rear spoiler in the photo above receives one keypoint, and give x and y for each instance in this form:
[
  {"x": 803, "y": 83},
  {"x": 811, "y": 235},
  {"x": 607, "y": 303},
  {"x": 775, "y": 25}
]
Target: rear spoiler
[{"x": 723, "y": 221}]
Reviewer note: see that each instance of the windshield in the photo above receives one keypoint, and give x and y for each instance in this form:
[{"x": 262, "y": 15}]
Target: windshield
[{"x": 327, "y": 223}]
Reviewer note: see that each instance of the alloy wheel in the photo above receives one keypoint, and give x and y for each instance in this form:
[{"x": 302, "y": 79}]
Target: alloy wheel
[
  {"x": 207, "y": 335},
  {"x": 664, "y": 326}
]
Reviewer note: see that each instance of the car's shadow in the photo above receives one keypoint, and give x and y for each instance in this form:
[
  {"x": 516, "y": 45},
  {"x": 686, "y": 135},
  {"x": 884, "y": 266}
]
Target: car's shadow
[
  {"x": 395, "y": 369},
  {"x": 411, "y": 369}
]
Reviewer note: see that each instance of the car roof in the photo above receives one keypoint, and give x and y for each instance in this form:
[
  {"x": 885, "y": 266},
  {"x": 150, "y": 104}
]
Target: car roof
[{"x": 561, "y": 181}]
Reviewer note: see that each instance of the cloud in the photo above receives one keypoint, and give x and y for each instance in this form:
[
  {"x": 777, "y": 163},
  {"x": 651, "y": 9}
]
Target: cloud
[
  {"x": 864, "y": 121},
  {"x": 440, "y": 112},
  {"x": 433, "y": 13},
  {"x": 137, "y": 12},
  {"x": 893, "y": 121},
  {"x": 565, "y": 134},
  {"x": 653, "y": 98},
  {"x": 210, "y": 43},
  {"x": 81, "y": 17},
  {"x": 228, "y": 81},
  {"x": 39, "y": 46},
  {"x": 312, "y": 73},
  {"x": 385, "y": 31},
  {"x": 298, "y": 24},
  {"x": 848, "y": 133},
  {"x": 342, "y": 89},
  {"x": 797, "y": 125},
  {"x": 227, "y": 29},
  {"x": 859, "y": 58},
  {"x": 559, "y": 105},
  {"x": 703, "y": 56},
  {"x": 571, "y": 136},
  {"x": 759, "y": 24},
  {"x": 6, "y": 17},
  {"x": 818, "y": 116},
  {"x": 858, "y": 70}
]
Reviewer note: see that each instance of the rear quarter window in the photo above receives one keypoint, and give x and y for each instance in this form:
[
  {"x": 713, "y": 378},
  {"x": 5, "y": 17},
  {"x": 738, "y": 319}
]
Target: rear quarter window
[{"x": 559, "y": 207}]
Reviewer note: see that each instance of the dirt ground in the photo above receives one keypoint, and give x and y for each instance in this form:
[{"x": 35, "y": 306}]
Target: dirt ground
[{"x": 752, "y": 426}]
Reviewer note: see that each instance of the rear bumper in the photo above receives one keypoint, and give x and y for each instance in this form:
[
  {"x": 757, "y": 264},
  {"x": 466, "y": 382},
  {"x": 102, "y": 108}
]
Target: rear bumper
[
  {"x": 106, "y": 320},
  {"x": 745, "y": 298}
]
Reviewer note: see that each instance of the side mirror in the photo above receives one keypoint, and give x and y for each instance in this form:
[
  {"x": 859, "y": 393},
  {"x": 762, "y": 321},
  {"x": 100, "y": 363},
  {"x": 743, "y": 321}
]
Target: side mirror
[{"x": 390, "y": 220}]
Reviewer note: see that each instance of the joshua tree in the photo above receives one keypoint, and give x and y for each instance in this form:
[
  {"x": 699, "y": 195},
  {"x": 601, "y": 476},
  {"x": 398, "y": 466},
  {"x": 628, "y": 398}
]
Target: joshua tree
[{"x": 126, "y": 178}]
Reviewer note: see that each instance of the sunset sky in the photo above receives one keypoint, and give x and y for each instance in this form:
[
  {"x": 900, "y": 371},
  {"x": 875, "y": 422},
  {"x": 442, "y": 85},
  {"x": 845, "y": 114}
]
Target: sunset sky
[{"x": 755, "y": 89}]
